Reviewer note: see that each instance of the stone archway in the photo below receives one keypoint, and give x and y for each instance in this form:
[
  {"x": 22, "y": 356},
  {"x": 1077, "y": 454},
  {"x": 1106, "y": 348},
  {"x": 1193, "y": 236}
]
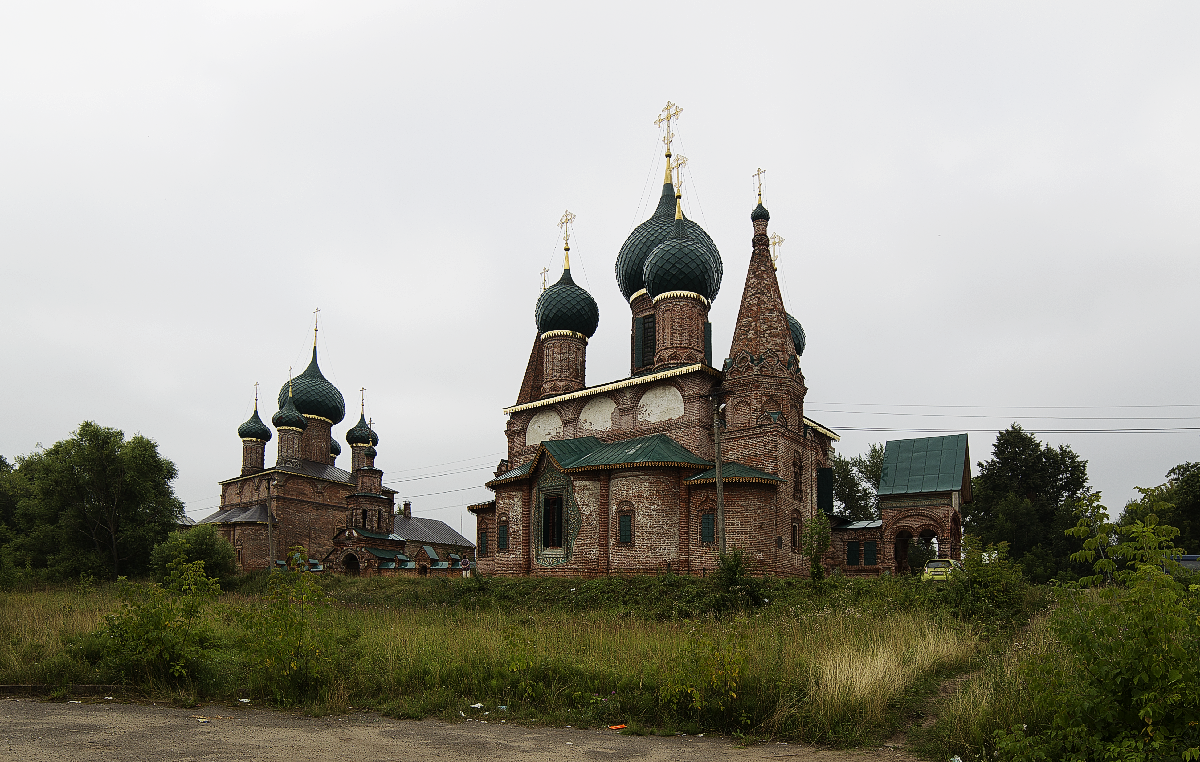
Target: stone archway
[{"x": 350, "y": 565}]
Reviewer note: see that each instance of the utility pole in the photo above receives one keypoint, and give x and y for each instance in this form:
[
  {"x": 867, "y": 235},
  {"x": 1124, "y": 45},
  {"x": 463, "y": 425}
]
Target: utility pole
[
  {"x": 270, "y": 523},
  {"x": 718, "y": 409}
]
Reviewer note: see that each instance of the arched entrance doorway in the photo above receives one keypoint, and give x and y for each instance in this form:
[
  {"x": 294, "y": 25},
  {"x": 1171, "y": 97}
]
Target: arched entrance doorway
[
  {"x": 903, "y": 539},
  {"x": 350, "y": 564}
]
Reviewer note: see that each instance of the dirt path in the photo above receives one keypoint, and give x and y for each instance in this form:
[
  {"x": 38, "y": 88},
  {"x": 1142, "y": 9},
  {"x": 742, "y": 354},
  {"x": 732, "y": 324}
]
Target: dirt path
[{"x": 32, "y": 731}]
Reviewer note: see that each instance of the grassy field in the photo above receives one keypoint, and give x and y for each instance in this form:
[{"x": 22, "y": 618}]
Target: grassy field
[{"x": 844, "y": 662}]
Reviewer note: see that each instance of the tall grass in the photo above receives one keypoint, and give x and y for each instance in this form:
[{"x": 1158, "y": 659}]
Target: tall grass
[{"x": 820, "y": 669}]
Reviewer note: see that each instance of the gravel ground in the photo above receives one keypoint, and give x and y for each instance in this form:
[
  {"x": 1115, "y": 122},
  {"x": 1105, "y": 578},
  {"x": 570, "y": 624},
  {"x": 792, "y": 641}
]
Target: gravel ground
[{"x": 31, "y": 731}]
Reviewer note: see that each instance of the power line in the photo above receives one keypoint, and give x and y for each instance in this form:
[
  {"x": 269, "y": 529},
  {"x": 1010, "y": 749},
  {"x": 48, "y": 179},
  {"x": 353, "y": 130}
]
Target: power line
[
  {"x": 1026, "y": 417},
  {"x": 1005, "y": 407},
  {"x": 1031, "y": 431}
]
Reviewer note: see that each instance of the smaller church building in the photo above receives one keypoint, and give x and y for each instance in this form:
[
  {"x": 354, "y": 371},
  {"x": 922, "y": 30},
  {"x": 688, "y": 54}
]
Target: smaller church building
[{"x": 346, "y": 520}]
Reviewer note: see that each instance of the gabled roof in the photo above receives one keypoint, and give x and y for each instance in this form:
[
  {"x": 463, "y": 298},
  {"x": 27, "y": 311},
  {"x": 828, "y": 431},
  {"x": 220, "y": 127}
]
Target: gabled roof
[
  {"x": 384, "y": 553},
  {"x": 734, "y": 472},
  {"x": 928, "y": 464},
  {"x": 413, "y": 529},
  {"x": 656, "y": 449},
  {"x": 590, "y": 454},
  {"x": 373, "y": 535},
  {"x": 623, "y": 383},
  {"x": 253, "y": 514}
]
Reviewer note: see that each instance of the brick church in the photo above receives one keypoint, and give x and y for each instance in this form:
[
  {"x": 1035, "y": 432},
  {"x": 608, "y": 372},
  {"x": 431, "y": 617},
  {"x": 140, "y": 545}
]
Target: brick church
[
  {"x": 346, "y": 521},
  {"x": 621, "y": 477}
]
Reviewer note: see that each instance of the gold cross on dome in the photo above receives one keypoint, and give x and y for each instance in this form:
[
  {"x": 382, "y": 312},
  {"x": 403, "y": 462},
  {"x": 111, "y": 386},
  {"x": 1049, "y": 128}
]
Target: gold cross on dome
[
  {"x": 256, "y": 395},
  {"x": 316, "y": 322},
  {"x": 776, "y": 242},
  {"x": 669, "y": 112},
  {"x": 565, "y": 224},
  {"x": 545, "y": 271},
  {"x": 678, "y": 165},
  {"x": 758, "y": 176},
  {"x": 363, "y": 401}
]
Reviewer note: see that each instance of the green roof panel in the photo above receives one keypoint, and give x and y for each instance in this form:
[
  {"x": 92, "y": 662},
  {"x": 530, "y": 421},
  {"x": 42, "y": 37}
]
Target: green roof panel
[
  {"x": 734, "y": 472},
  {"x": 656, "y": 448},
  {"x": 928, "y": 464}
]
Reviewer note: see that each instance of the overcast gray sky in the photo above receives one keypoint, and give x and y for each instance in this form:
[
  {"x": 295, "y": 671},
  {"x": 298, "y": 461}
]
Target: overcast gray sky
[{"x": 991, "y": 213}]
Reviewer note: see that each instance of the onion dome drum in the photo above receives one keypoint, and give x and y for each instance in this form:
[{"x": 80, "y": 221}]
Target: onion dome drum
[
  {"x": 335, "y": 449},
  {"x": 681, "y": 263},
  {"x": 289, "y": 417},
  {"x": 362, "y": 434},
  {"x": 254, "y": 428},
  {"x": 797, "y": 333},
  {"x": 631, "y": 261},
  {"x": 566, "y": 307},
  {"x": 314, "y": 395}
]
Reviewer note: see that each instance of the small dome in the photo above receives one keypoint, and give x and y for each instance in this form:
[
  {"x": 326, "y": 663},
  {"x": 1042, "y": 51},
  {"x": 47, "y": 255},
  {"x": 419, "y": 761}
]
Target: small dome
[
  {"x": 289, "y": 417},
  {"x": 362, "y": 434},
  {"x": 314, "y": 394},
  {"x": 370, "y": 452},
  {"x": 566, "y": 307},
  {"x": 631, "y": 261},
  {"x": 335, "y": 449},
  {"x": 797, "y": 333},
  {"x": 254, "y": 428},
  {"x": 760, "y": 213},
  {"x": 680, "y": 263}
]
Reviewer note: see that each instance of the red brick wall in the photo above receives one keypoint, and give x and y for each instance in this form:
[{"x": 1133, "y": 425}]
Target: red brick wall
[{"x": 564, "y": 359}]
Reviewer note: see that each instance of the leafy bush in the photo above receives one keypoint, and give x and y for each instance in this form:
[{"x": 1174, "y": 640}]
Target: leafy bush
[
  {"x": 158, "y": 634},
  {"x": 291, "y": 652},
  {"x": 200, "y": 543},
  {"x": 989, "y": 589},
  {"x": 1125, "y": 683},
  {"x": 733, "y": 587}
]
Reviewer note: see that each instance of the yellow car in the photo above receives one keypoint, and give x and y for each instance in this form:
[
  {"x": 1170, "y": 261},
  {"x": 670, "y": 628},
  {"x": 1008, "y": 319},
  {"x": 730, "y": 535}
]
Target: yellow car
[{"x": 938, "y": 570}]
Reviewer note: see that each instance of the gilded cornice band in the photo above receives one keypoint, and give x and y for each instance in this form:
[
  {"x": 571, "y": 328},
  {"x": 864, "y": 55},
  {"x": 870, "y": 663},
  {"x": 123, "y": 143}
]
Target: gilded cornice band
[
  {"x": 552, "y": 334},
  {"x": 681, "y": 295},
  {"x": 613, "y": 386}
]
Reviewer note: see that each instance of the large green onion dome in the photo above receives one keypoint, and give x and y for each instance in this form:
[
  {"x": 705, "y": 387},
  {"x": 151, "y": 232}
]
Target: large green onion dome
[
  {"x": 335, "y": 449},
  {"x": 314, "y": 394},
  {"x": 681, "y": 263},
  {"x": 289, "y": 417},
  {"x": 566, "y": 307},
  {"x": 254, "y": 428},
  {"x": 797, "y": 333},
  {"x": 631, "y": 261},
  {"x": 362, "y": 434},
  {"x": 760, "y": 213}
]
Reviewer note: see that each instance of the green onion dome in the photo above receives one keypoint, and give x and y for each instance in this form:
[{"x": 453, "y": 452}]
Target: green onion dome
[
  {"x": 314, "y": 394},
  {"x": 797, "y": 333},
  {"x": 254, "y": 428},
  {"x": 362, "y": 434},
  {"x": 566, "y": 307},
  {"x": 370, "y": 452},
  {"x": 760, "y": 213},
  {"x": 681, "y": 263},
  {"x": 335, "y": 449},
  {"x": 631, "y": 261},
  {"x": 289, "y": 417}
]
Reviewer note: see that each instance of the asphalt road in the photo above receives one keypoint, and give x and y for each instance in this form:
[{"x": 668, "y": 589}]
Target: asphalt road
[{"x": 32, "y": 731}]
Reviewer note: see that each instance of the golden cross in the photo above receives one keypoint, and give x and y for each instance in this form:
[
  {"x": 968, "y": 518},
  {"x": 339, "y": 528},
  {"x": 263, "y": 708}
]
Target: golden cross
[
  {"x": 565, "y": 224},
  {"x": 758, "y": 176},
  {"x": 678, "y": 166},
  {"x": 316, "y": 320},
  {"x": 776, "y": 242},
  {"x": 256, "y": 395},
  {"x": 545, "y": 270},
  {"x": 363, "y": 404},
  {"x": 669, "y": 112}
]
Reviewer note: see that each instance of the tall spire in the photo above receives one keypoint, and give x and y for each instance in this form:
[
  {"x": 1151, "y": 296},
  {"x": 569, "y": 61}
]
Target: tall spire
[
  {"x": 761, "y": 330},
  {"x": 316, "y": 320}
]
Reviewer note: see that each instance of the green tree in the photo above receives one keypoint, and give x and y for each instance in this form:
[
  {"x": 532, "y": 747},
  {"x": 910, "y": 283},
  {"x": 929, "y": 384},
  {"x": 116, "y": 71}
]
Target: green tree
[
  {"x": 814, "y": 541},
  {"x": 1026, "y": 495},
  {"x": 1176, "y": 503},
  {"x": 856, "y": 483},
  {"x": 93, "y": 503},
  {"x": 200, "y": 543}
]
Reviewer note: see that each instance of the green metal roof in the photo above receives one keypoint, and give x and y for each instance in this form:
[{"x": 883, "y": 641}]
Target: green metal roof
[
  {"x": 589, "y": 453},
  {"x": 929, "y": 464},
  {"x": 384, "y": 553},
  {"x": 734, "y": 472},
  {"x": 429, "y": 551},
  {"x": 567, "y": 451},
  {"x": 656, "y": 449}
]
